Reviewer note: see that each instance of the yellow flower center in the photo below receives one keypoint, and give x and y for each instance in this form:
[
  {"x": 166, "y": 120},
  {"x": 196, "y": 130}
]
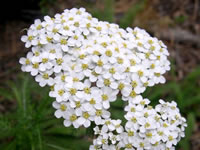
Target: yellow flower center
[
  {"x": 61, "y": 92},
  {"x": 37, "y": 53},
  {"x": 141, "y": 144},
  {"x": 108, "y": 53},
  {"x": 132, "y": 109},
  {"x": 88, "y": 25},
  {"x": 152, "y": 48},
  {"x": 160, "y": 133},
  {"x": 96, "y": 53},
  {"x": 59, "y": 61},
  {"x": 84, "y": 66},
  {"x": 112, "y": 70},
  {"x": 132, "y": 94},
  {"x": 49, "y": 39},
  {"x": 45, "y": 76},
  {"x": 104, "y": 97},
  {"x": 140, "y": 73},
  {"x": 132, "y": 62},
  {"x": 129, "y": 146},
  {"x": 78, "y": 104},
  {"x": 66, "y": 28},
  {"x": 147, "y": 55},
  {"x": 142, "y": 102},
  {"x": 73, "y": 118},
  {"x": 99, "y": 28},
  {"x": 87, "y": 90},
  {"x": 55, "y": 30},
  {"x": 130, "y": 133},
  {"x": 134, "y": 84},
  {"x": 63, "y": 78},
  {"x": 170, "y": 138},
  {"x": 140, "y": 44},
  {"x": 53, "y": 51},
  {"x": 76, "y": 24},
  {"x": 120, "y": 60},
  {"x": 150, "y": 41},
  {"x": 75, "y": 79},
  {"x": 86, "y": 115},
  {"x": 39, "y": 27},
  {"x": 27, "y": 62},
  {"x": 72, "y": 91},
  {"x": 63, "y": 41},
  {"x": 44, "y": 60},
  {"x": 82, "y": 56},
  {"x": 98, "y": 112},
  {"x": 75, "y": 37},
  {"x": 71, "y": 18},
  {"x": 121, "y": 86},
  {"x": 149, "y": 135},
  {"x": 165, "y": 125},
  {"x": 63, "y": 107},
  {"x": 30, "y": 38},
  {"x": 147, "y": 125},
  {"x": 100, "y": 63},
  {"x": 146, "y": 114},
  {"x": 133, "y": 119},
  {"x": 157, "y": 74},
  {"x": 92, "y": 101},
  {"x": 36, "y": 65},
  {"x": 104, "y": 44},
  {"x": 107, "y": 82}
]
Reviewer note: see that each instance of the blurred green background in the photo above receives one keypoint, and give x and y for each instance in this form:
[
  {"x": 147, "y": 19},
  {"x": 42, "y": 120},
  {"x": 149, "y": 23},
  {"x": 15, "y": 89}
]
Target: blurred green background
[{"x": 26, "y": 114}]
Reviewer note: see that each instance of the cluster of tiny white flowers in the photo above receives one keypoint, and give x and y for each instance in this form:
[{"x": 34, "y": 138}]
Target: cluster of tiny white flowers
[
  {"x": 109, "y": 135},
  {"x": 146, "y": 128},
  {"x": 89, "y": 63}
]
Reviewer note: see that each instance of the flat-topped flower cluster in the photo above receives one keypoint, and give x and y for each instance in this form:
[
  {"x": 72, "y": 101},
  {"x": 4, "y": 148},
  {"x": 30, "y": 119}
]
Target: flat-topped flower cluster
[
  {"x": 88, "y": 64},
  {"x": 146, "y": 128}
]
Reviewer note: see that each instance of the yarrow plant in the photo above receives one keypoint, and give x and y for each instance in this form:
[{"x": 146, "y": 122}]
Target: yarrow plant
[{"x": 88, "y": 64}]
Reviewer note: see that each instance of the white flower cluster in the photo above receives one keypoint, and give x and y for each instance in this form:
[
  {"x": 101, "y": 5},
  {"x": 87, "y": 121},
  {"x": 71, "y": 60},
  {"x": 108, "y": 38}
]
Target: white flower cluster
[
  {"x": 109, "y": 135},
  {"x": 146, "y": 128},
  {"x": 89, "y": 63}
]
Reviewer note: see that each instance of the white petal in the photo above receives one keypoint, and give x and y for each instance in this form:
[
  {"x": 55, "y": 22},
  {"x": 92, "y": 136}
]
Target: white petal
[
  {"x": 58, "y": 113},
  {"x": 81, "y": 120},
  {"x": 67, "y": 123}
]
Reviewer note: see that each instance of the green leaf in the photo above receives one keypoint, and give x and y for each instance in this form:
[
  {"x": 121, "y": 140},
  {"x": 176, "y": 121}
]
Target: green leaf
[
  {"x": 6, "y": 94},
  {"x": 185, "y": 143},
  {"x": 193, "y": 75},
  {"x": 191, "y": 124},
  {"x": 108, "y": 12},
  {"x": 191, "y": 101},
  {"x": 55, "y": 147},
  {"x": 62, "y": 130},
  {"x": 69, "y": 142},
  {"x": 130, "y": 15}
]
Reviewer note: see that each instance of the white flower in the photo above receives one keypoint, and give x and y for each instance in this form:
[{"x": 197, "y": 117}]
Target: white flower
[
  {"x": 94, "y": 99},
  {"x": 108, "y": 95},
  {"x": 71, "y": 119},
  {"x": 26, "y": 62},
  {"x": 30, "y": 39},
  {"x": 100, "y": 115},
  {"x": 45, "y": 64},
  {"x": 76, "y": 39},
  {"x": 85, "y": 118},
  {"x": 45, "y": 79},
  {"x": 59, "y": 93},
  {"x": 66, "y": 29},
  {"x": 36, "y": 27},
  {"x": 62, "y": 108},
  {"x": 88, "y": 64}
]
